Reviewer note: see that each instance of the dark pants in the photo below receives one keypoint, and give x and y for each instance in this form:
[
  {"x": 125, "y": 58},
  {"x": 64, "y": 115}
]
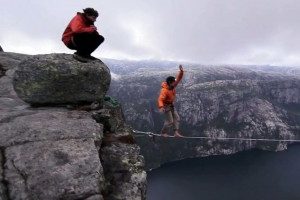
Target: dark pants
[{"x": 86, "y": 43}]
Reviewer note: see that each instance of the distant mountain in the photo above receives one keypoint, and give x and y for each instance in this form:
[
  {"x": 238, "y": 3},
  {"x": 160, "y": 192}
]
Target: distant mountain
[
  {"x": 214, "y": 101},
  {"x": 293, "y": 71}
]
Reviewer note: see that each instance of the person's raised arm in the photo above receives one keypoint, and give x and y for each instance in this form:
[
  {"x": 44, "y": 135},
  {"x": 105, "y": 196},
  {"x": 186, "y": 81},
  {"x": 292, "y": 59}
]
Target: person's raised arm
[{"x": 179, "y": 75}]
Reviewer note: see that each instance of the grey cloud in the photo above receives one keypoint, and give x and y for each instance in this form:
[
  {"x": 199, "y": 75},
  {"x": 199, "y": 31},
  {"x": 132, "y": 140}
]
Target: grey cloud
[{"x": 206, "y": 31}]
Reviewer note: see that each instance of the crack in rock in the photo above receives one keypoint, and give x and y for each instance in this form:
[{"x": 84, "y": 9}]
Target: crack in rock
[{"x": 3, "y": 185}]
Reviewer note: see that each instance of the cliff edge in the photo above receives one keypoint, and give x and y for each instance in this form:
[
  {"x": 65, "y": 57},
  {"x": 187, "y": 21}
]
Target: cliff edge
[{"x": 68, "y": 141}]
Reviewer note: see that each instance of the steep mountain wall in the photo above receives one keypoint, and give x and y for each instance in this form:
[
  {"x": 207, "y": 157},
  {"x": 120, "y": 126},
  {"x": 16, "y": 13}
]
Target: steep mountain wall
[{"x": 213, "y": 101}]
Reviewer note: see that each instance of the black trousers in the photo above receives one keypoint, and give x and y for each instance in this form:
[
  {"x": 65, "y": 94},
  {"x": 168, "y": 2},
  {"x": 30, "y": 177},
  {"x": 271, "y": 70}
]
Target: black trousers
[{"x": 86, "y": 43}]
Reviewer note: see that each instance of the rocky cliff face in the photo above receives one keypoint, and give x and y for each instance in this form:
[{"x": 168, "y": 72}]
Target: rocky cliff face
[
  {"x": 212, "y": 101},
  {"x": 69, "y": 151}
]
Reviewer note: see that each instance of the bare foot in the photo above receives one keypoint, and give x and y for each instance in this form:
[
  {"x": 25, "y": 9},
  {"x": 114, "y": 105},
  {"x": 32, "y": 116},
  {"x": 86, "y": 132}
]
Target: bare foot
[
  {"x": 177, "y": 134},
  {"x": 164, "y": 135}
]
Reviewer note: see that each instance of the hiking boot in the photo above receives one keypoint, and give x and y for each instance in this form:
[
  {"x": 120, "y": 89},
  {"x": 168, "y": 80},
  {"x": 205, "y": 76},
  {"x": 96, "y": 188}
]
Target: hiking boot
[
  {"x": 92, "y": 57},
  {"x": 80, "y": 58}
]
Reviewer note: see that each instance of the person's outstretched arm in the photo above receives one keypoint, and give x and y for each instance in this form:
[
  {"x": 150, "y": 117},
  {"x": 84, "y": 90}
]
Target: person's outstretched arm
[{"x": 179, "y": 76}]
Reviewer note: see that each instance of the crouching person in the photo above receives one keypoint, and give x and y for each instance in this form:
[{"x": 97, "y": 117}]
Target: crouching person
[{"x": 81, "y": 35}]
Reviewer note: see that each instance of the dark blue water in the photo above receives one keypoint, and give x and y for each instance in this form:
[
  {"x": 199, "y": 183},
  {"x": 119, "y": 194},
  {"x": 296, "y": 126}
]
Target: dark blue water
[{"x": 252, "y": 175}]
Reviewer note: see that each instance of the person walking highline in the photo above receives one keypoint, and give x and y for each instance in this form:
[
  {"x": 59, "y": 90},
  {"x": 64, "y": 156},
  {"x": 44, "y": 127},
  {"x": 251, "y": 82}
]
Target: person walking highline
[{"x": 166, "y": 104}]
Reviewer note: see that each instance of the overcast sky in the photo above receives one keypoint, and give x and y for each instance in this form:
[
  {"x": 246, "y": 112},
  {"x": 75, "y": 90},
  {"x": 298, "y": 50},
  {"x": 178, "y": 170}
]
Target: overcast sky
[{"x": 203, "y": 31}]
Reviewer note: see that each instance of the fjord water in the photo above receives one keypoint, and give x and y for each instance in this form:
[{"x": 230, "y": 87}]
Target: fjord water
[{"x": 251, "y": 175}]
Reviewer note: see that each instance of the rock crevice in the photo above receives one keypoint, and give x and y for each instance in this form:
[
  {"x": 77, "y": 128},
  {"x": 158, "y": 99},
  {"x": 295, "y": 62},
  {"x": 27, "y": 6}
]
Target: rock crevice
[
  {"x": 3, "y": 184},
  {"x": 120, "y": 156}
]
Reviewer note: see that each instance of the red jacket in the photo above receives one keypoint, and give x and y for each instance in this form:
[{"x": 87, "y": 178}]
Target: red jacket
[
  {"x": 167, "y": 96},
  {"x": 79, "y": 24}
]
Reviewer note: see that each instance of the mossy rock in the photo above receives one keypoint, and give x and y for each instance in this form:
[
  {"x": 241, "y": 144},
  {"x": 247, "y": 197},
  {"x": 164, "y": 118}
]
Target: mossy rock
[{"x": 60, "y": 79}]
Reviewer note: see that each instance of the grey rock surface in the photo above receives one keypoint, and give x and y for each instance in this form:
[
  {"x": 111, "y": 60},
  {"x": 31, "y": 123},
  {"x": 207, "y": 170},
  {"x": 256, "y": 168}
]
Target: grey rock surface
[
  {"x": 11, "y": 60},
  {"x": 124, "y": 171},
  {"x": 65, "y": 169},
  {"x": 60, "y": 79},
  {"x": 48, "y": 125},
  {"x": 95, "y": 197},
  {"x": 3, "y": 191},
  {"x": 53, "y": 153},
  {"x": 122, "y": 163}
]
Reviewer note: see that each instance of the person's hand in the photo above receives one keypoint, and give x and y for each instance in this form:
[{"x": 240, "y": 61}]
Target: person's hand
[
  {"x": 180, "y": 68},
  {"x": 162, "y": 110}
]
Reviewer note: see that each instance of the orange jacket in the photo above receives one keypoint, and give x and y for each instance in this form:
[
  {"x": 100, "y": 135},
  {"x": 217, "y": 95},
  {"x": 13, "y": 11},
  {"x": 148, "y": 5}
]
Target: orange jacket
[
  {"x": 167, "y": 96},
  {"x": 79, "y": 24}
]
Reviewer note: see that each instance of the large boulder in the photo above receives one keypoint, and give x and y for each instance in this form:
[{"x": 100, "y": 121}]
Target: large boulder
[
  {"x": 60, "y": 79},
  {"x": 1, "y": 50}
]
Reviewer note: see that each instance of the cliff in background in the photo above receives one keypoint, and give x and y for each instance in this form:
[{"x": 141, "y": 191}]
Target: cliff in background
[
  {"x": 213, "y": 101},
  {"x": 64, "y": 146}
]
